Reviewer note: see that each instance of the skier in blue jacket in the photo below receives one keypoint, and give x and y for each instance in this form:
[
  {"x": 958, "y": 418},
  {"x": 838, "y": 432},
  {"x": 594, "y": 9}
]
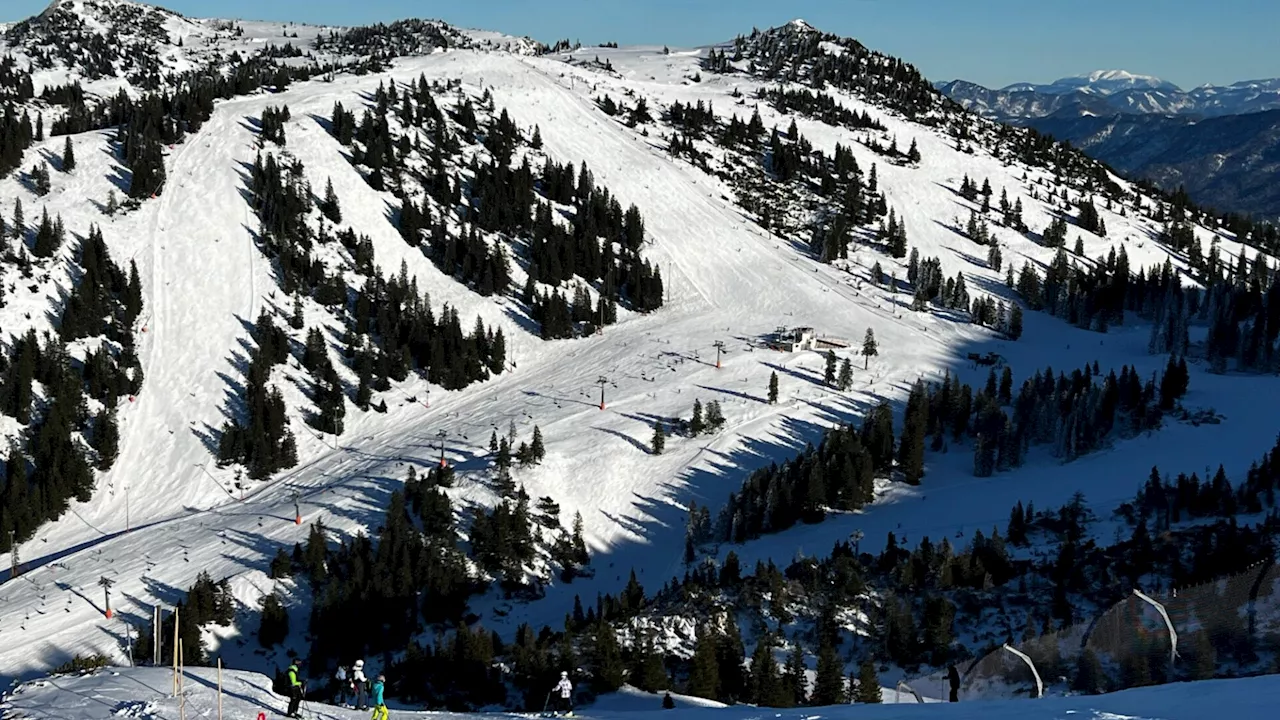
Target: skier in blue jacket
[{"x": 379, "y": 707}]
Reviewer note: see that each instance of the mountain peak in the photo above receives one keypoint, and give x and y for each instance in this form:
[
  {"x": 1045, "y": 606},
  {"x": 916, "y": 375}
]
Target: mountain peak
[
  {"x": 800, "y": 24},
  {"x": 1120, "y": 75},
  {"x": 1105, "y": 82}
]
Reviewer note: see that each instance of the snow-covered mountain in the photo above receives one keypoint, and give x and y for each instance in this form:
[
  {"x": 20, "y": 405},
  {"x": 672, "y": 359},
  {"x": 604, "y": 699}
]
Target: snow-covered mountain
[
  {"x": 1112, "y": 92},
  {"x": 405, "y": 341},
  {"x": 1219, "y": 160},
  {"x": 1120, "y": 118},
  {"x": 1098, "y": 82}
]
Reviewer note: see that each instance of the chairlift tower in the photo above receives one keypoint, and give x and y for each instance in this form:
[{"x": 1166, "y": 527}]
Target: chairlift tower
[
  {"x": 602, "y": 381},
  {"x": 106, "y": 584},
  {"x": 442, "y": 435}
]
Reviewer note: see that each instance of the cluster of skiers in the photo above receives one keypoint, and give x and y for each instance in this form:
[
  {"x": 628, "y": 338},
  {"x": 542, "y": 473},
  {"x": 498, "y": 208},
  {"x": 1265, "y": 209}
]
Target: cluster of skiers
[{"x": 352, "y": 690}]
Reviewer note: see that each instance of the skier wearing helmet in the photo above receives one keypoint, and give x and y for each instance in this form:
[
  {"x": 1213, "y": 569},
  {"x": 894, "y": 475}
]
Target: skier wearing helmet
[
  {"x": 564, "y": 695},
  {"x": 379, "y": 707},
  {"x": 361, "y": 685}
]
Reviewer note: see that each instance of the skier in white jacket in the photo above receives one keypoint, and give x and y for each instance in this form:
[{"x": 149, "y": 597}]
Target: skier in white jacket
[
  {"x": 564, "y": 694},
  {"x": 361, "y": 685}
]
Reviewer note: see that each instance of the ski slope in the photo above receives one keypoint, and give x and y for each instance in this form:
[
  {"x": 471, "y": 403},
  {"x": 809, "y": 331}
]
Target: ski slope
[
  {"x": 166, "y": 513},
  {"x": 145, "y": 693}
]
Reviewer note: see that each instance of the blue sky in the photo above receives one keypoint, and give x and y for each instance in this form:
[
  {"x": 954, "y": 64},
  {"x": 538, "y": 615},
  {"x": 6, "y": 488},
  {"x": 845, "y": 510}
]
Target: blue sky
[{"x": 993, "y": 42}]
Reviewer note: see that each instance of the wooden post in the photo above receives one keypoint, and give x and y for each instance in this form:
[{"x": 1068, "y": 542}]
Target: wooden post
[
  {"x": 182, "y": 698},
  {"x": 177, "y": 648},
  {"x": 219, "y": 688}
]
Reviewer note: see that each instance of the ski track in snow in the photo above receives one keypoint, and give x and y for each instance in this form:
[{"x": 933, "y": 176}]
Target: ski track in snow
[{"x": 204, "y": 283}]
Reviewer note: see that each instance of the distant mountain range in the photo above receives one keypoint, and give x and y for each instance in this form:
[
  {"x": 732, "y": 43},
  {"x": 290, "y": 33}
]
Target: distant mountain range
[
  {"x": 1222, "y": 143},
  {"x": 1228, "y": 162},
  {"x": 1112, "y": 92}
]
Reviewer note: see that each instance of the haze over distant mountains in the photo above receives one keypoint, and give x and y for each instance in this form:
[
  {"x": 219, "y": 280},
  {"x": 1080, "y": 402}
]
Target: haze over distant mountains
[
  {"x": 1221, "y": 143},
  {"x": 1110, "y": 92}
]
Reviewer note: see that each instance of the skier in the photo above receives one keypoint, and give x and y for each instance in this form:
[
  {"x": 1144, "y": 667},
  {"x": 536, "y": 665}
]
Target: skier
[
  {"x": 953, "y": 677},
  {"x": 341, "y": 686},
  {"x": 361, "y": 685},
  {"x": 296, "y": 690},
  {"x": 379, "y": 707},
  {"x": 564, "y": 695}
]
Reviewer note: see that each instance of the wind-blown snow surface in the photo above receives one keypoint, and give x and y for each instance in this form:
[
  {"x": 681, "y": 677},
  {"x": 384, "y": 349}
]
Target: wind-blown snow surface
[
  {"x": 726, "y": 280},
  {"x": 145, "y": 693}
]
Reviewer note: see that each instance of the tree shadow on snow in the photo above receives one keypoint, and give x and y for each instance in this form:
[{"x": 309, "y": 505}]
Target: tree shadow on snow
[
  {"x": 122, "y": 178},
  {"x": 247, "y": 699},
  {"x": 734, "y": 393},
  {"x": 323, "y": 122},
  {"x": 522, "y": 320},
  {"x": 632, "y": 441},
  {"x": 800, "y": 374}
]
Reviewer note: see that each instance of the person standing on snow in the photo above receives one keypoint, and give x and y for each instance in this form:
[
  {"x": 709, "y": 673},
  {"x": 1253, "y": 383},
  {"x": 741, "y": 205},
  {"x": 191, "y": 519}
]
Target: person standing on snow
[
  {"x": 953, "y": 678},
  {"x": 361, "y": 684},
  {"x": 341, "y": 686},
  {"x": 379, "y": 707},
  {"x": 564, "y": 694},
  {"x": 296, "y": 690}
]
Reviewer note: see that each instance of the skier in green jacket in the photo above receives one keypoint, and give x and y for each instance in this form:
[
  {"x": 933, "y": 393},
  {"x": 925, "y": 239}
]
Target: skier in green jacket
[{"x": 296, "y": 690}]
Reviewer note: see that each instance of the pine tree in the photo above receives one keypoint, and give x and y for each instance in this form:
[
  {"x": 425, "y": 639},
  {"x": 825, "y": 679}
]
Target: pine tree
[
  {"x": 68, "y": 156},
  {"x": 296, "y": 321},
  {"x": 106, "y": 439},
  {"x": 536, "y": 447},
  {"x": 113, "y": 205},
  {"x": 659, "y": 437},
  {"x": 845, "y": 381},
  {"x": 869, "y": 348},
  {"x": 704, "y": 674},
  {"x": 647, "y": 671},
  {"x": 915, "y": 425},
  {"x": 773, "y": 388},
  {"x": 828, "y": 687},
  {"x": 274, "y": 626},
  {"x": 714, "y": 416},
  {"x": 40, "y": 176},
  {"x": 281, "y": 565},
  {"x": 868, "y": 683},
  {"x": 1089, "y": 677},
  {"x": 19, "y": 221},
  {"x": 1015, "y": 322},
  {"x": 696, "y": 423},
  {"x": 829, "y": 374},
  {"x": 329, "y": 206},
  {"x": 794, "y": 680},
  {"x": 913, "y": 154},
  {"x": 606, "y": 657},
  {"x": 766, "y": 685},
  {"x": 580, "y": 555}
]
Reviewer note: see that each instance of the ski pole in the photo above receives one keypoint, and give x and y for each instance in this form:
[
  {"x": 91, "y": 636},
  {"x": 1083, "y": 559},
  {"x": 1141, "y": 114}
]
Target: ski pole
[{"x": 545, "y": 703}]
